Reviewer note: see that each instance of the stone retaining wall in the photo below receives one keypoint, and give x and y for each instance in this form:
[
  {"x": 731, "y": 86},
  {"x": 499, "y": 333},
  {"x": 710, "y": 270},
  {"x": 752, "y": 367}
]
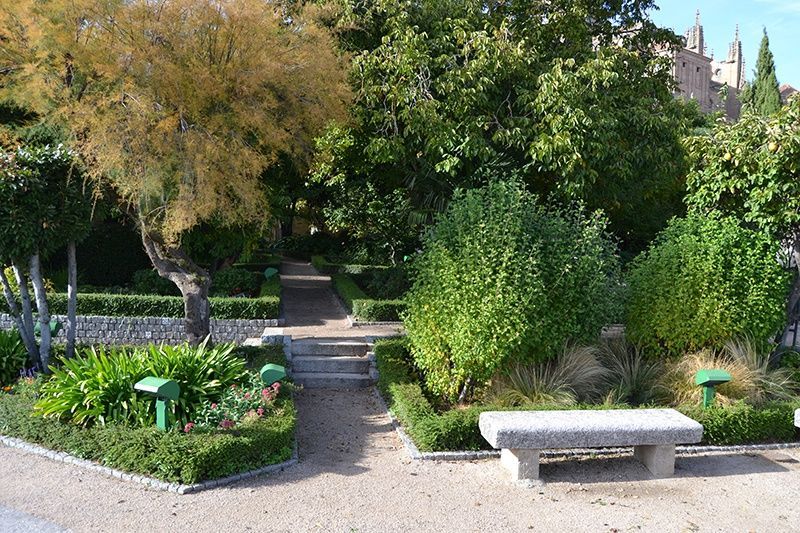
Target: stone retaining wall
[{"x": 136, "y": 330}]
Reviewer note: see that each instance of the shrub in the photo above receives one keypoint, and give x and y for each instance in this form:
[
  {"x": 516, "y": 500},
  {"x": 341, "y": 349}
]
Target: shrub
[
  {"x": 703, "y": 281},
  {"x": 791, "y": 362},
  {"x": 575, "y": 375},
  {"x": 249, "y": 400},
  {"x": 385, "y": 283},
  {"x": 742, "y": 423},
  {"x": 13, "y": 357},
  {"x": 172, "y": 456},
  {"x": 148, "y": 281},
  {"x": 234, "y": 281},
  {"x": 161, "y": 306},
  {"x": 96, "y": 386},
  {"x": 502, "y": 278},
  {"x": 270, "y": 288},
  {"x": 361, "y": 306}
]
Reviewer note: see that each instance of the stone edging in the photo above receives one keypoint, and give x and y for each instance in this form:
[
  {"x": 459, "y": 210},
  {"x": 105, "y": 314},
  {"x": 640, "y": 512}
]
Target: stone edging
[
  {"x": 149, "y": 482},
  {"x": 353, "y": 323},
  {"x": 469, "y": 455}
]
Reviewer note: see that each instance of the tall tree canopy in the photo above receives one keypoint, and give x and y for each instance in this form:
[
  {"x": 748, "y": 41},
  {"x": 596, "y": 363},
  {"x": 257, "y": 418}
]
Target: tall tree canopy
[
  {"x": 764, "y": 96},
  {"x": 574, "y": 95},
  {"x": 179, "y": 105}
]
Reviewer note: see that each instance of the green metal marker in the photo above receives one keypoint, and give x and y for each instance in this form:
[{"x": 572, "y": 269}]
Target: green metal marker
[
  {"x": 165, "y": 390},
  {"x": 709, "y": 379},
  {"x": 271, "y": 373}
]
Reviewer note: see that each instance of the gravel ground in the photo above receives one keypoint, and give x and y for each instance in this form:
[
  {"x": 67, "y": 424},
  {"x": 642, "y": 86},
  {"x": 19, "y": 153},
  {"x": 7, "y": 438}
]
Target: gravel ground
[{"x": 354, "y": 475}]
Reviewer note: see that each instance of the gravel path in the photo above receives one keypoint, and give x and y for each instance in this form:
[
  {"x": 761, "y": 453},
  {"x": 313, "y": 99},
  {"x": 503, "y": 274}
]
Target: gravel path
[
  {"x": 354, "y": 476},
  {"x": 312, "y": 310}
]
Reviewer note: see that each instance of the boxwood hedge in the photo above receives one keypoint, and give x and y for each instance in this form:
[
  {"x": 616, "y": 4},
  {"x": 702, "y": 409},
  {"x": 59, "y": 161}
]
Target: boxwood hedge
[{"x": 361, "y": 306}]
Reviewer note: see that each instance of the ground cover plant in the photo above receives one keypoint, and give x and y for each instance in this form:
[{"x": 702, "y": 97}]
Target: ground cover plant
[{"x": 255, "y": 430}]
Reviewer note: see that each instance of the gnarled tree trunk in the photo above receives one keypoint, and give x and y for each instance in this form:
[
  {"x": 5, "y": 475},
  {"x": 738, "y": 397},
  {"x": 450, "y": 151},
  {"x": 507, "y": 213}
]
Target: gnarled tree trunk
[
  {"x": 173, "y": 264},
  {"x": 26, "y": 315}
]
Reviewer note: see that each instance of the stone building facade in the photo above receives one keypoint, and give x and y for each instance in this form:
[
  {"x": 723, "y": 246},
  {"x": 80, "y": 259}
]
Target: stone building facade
[{"x": 713, "y": 83}]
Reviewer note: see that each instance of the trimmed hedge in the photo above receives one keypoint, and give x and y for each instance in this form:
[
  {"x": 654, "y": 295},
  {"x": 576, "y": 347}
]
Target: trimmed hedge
[
  {"x": 361, "y": 306},
  {"x": 457, "y": 429},
  {"x": 134, "y": 305},
  {"x": 172, "y": 456},
  {"x": 271, "y": 288},
  {"x": 324, "y": 266}
]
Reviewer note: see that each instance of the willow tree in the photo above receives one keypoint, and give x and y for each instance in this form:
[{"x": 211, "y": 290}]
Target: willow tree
[{"x": 178, "y": 105}]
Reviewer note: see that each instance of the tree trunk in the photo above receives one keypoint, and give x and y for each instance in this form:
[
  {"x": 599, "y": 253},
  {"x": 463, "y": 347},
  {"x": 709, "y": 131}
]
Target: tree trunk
[
  {"x": 173, "y": 264},
  {"x": 27, "y": 340},
  {"x": 27, "y": 314},
  {"x": 44, "y": 312},
  {"x": 72, "y": 298}
]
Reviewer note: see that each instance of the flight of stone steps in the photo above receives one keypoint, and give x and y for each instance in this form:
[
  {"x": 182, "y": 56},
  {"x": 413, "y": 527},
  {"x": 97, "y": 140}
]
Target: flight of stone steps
[{"x": 331, "y": 363}]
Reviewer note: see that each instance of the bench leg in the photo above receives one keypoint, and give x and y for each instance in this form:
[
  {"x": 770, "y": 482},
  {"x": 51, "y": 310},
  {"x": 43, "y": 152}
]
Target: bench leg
[
  {"x": 659, "y": 460},
  {"x": 523, "y": 464}
]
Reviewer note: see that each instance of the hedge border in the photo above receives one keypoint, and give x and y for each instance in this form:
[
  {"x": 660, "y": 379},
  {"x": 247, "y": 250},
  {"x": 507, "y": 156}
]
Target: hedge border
[
  {"x": 361, "y": 307},
  {"x": 324, "y": 266},
  {"x": 150, "y": 482}
]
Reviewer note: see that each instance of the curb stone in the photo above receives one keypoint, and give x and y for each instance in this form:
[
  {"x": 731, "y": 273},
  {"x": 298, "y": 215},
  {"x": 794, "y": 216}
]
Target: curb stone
[
  {"x": 155, "y": 484},
  {"x": 470, "y": 455}
]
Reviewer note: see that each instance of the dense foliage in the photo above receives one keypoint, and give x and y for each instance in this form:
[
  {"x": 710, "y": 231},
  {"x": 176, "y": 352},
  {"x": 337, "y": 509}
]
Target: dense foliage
[
  {"x": 235, "y": 281},
  {"x": 96, "y": 386},
  {"x": 13, "y": 357},
  {"x": 704, "y": 280},
  {"x": 581, "y": 106},
  {"x": 502, "y": 278},
  {"x": 361, "y": 306}
]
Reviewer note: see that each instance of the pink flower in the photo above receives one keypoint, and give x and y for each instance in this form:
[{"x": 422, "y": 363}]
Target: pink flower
[
  {"x": 246, "y": 395},
  {"x": 276, "y": 386},
  {"x": 226, "y": 424},
  {"x": 188, "y": 427},
  {"x": 233, "y": 386},
  {"x": 260, "y": 411},
  {"x": 213, "y": 406}
]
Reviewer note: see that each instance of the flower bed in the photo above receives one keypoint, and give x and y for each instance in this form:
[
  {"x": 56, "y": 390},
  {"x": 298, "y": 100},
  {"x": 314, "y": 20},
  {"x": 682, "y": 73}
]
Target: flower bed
[{"x": 247, "y": 433}]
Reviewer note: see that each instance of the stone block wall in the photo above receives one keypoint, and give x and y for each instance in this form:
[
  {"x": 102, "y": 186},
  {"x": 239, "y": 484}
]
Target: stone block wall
[{"x": 138, "y": 330}]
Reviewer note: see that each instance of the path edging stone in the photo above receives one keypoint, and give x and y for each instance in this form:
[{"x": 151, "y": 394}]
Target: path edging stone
[{"x": 153, "y": 483}]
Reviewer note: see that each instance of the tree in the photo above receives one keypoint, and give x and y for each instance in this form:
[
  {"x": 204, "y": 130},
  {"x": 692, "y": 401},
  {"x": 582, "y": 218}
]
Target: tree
[
  {"x": 750, "y": 170},
  {"x": 43, "y": 204},
  {"x": 178, "y": 105},
  {"x": 766, "y": 96},
  {"x": 582, "y": 106}
]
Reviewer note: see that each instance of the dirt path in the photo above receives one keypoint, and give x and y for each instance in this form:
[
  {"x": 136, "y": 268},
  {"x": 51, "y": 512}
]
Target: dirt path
[
  {"x": 312, "y": 310},
  {"x": 354, "y": 476}
]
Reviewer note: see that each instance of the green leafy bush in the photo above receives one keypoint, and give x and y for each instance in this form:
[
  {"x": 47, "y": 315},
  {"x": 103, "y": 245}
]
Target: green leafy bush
[
  {"x": 270, "y": 288},
  {"x": 172, "y": 456},
  {"x": 742, "y": 423},
  {"x": 705, "y": 280},
  {"x": 234, "y": 281},
  {"x": 148, "y": 281},
  {"x": 13, "y": 357},
  {"x": 502, "y": 278},
  {"x": 132, "y": 305},
  {"x": 385, "y": 283},
  {"x": 791, "y": 362},
  {"x": 96, "y": 386}
]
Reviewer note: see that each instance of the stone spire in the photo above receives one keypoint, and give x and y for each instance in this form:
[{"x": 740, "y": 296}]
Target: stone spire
[{"x": 694, "y": 37}]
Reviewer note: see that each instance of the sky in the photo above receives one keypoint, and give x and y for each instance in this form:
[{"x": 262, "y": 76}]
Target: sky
[{"x": 719, "y": 19}]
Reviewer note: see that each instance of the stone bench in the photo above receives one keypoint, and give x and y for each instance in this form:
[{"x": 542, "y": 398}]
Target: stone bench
[{"x": 653, "y": 433}]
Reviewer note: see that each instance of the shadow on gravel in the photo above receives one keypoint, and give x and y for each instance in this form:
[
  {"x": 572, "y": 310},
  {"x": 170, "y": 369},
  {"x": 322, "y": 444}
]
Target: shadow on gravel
[
  {"x": 615, "y": 469},
  {"x": 337, "y": 433}
]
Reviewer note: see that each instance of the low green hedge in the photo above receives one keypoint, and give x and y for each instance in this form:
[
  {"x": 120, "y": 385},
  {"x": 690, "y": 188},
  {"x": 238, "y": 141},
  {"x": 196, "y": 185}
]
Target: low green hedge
[
  {"x": 134, "y": 305},
  {"x": 271, "y": 288},
  {"x": 173, "y": 456},
  {"x": 324, "y": 266},
  {"x": 457, "y": 429},
  {"x": 361, "y": 306}
]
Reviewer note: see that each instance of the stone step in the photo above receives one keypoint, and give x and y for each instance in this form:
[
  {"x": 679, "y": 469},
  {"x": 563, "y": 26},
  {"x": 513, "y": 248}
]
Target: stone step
[
  {"x": 316, "y": 380},
  {"x": 329, "y": 347},
  {"x": 330, "y": 364}
]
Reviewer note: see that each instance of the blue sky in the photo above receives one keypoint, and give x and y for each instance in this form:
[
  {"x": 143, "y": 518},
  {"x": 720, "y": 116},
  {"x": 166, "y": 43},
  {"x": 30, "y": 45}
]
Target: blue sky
[{"x": 719, "y": 19}]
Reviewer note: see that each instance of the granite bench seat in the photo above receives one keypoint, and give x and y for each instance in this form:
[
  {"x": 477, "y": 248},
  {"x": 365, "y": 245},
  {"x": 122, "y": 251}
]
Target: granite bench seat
[{"x": 653, "y": 433}]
